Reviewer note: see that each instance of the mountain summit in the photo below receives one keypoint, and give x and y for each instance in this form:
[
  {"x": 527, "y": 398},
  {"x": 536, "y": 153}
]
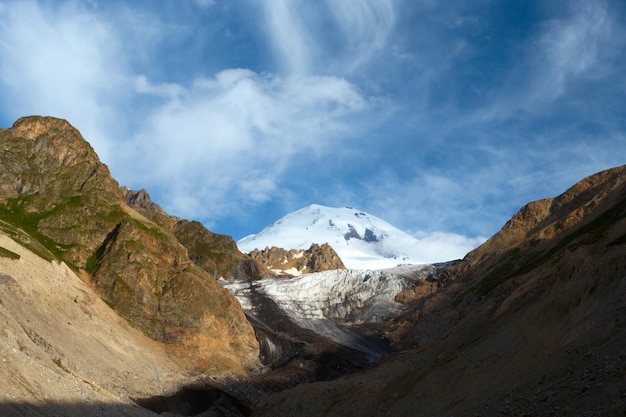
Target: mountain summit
[{"x": 361, "y": 240}]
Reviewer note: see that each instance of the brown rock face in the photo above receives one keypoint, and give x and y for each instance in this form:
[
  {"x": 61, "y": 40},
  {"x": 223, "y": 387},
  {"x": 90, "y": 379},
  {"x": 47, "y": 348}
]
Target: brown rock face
[
  {"x": 217, "y": 254},
  {"x": 59, "y": 200},
  {"x": 530, "y": 323},
  {"x": 289, "y": 262},
  {"x": 53, "y": 186},
  {"x": 174, "y": 301}
]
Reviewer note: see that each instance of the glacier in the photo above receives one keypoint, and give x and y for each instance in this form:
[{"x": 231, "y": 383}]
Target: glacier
[{"x": 333, "y": 304}]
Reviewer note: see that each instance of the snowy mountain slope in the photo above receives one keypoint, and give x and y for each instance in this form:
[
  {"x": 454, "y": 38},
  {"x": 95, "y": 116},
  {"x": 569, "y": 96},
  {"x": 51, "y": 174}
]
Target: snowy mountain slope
[{"x": 361, "y": 240}]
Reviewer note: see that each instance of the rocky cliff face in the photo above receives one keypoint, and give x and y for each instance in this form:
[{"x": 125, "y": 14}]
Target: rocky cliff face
[
  {"x": 292, "y": 262},
  {"x": 214, "y": 253},
  {"x": 530, "y": 323},
  {"x": 53, "y": 186},
  {"x": 57, "y": 198}
]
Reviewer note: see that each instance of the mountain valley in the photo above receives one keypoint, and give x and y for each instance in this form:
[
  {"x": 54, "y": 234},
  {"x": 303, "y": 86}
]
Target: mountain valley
[{"x": 112, "y": 307}]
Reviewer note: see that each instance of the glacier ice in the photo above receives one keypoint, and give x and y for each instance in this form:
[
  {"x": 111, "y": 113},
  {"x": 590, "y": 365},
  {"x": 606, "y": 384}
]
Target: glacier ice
[{"x": 332, "y": 303}]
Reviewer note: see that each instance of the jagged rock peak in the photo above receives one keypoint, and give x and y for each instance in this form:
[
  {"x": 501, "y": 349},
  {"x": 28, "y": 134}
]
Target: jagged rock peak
[
  {"x": 140, "y": 199},
  {"x": 297, "y": 261},
  {"x": 56, "y": 136},
  {"x": 32, "y": 127}
]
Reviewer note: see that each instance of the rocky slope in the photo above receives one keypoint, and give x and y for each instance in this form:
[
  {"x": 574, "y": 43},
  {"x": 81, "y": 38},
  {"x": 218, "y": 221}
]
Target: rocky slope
[
  {"x": 59, "y": 200},
  {"x": 298, "y": 261},
  {"x": 531, "y": 323},
  {"x": 62, "y": 348},
  {"x": 217, "y": 254}
]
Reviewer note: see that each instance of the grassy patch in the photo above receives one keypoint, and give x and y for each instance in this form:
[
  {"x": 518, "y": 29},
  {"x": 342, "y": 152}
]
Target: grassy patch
[
  {"x": 5, "y": 253},
  {"x": 92, "y": 264},
  {"x": 24, "y": 239},
  {"x": 154, "y": 231},
  {"x": 23, "y": 226}
]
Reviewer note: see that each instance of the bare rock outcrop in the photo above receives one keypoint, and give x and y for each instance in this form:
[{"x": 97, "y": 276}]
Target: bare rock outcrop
[
  {"x": 216, "y": 254},
  {"x": 291, "y": 262}
]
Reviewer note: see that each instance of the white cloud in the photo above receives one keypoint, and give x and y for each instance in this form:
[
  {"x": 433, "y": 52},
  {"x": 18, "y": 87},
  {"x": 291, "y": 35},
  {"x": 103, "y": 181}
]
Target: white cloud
[
  {"x": 445, "y": 246},
  {"x": 214, "y": 145},
  {"x": 235, "y": 133},
  {"x": 59, "y": 62},
  {"x": 210, "y": 144}
]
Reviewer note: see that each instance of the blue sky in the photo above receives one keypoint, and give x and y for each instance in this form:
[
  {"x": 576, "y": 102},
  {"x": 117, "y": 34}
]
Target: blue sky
[{"x": 440, "y": 117}]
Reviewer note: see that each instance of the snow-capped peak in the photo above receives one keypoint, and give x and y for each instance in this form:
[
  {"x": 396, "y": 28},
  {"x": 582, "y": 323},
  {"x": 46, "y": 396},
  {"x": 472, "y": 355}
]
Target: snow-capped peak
[{"x": 361, "y": 240}]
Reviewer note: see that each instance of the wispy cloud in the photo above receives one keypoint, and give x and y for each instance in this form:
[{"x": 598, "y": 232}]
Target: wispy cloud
[
  {"x": 214, "y": 145},
  {"x": 290, "y": 37},
  {"x": 574, "y": 47},
  {"x": 365, "y": 26},
  {"x": 436, "y": 116},
  {"x": 299, "y": 33},
  {"x": 237, "y": 131}
]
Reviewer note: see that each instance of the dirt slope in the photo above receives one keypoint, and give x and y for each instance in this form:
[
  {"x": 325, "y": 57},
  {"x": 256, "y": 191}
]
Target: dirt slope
[{"x": 63, "y": 349}]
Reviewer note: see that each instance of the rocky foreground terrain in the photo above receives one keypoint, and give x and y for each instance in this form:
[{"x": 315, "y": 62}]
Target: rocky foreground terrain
[{"x": 110, "y": 306}]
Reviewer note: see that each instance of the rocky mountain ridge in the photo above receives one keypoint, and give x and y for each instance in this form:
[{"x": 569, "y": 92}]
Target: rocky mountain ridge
[
  {"x": 216, "y": 254},
  {"x": 298, "y": 261},
  {"x": 58, "y": 199}
]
